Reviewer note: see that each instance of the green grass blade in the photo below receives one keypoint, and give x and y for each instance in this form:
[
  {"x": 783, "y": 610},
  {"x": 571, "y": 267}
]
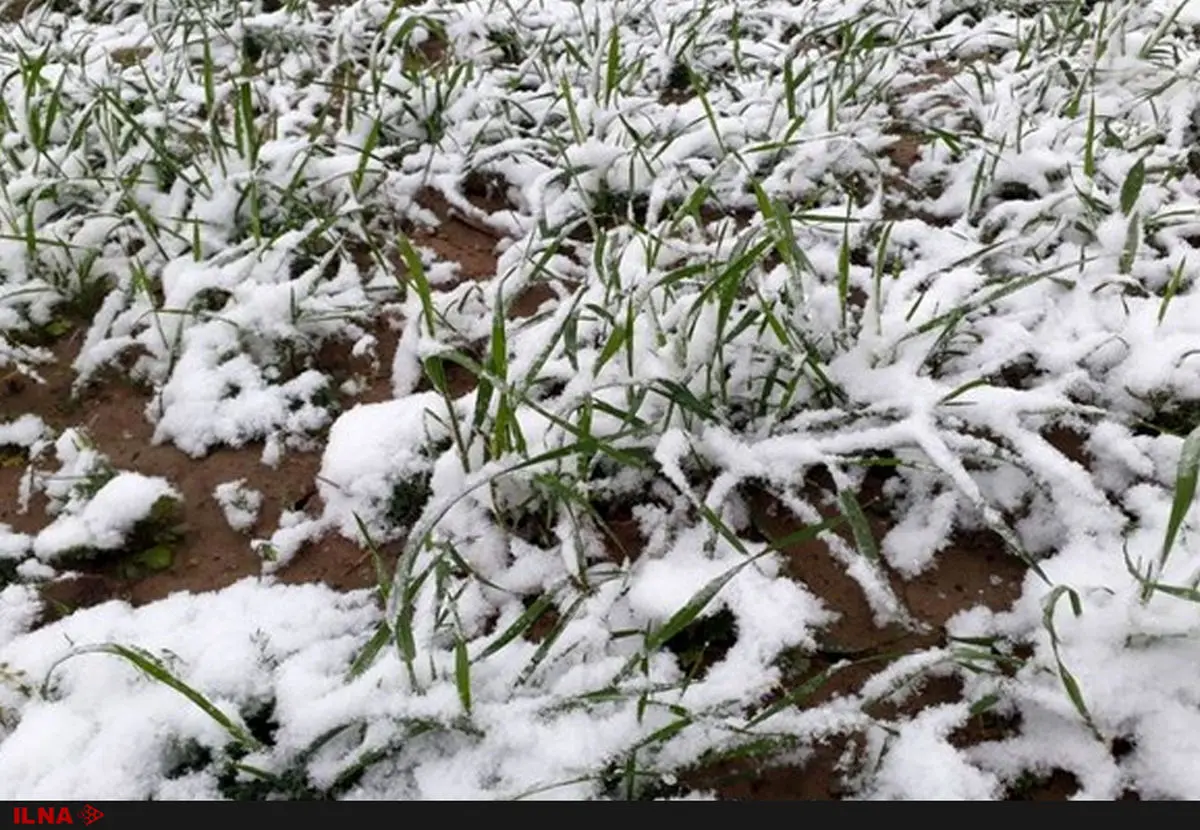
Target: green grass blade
[
  {"x": 462, "y": 673},
  {"x": 154, "y": 668},
  {"x": 363, "y": 660},
  {"x": 864, "y": 539},
  {"x": 1132, "y": 187},
  {"x": 520, "y": 625},
  {"x": 1185, "y": 493}
]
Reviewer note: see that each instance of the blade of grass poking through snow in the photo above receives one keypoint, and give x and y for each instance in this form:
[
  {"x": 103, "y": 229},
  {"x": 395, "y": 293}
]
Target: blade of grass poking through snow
[
  {"x": 962, "y": 390},
  {"x": 1160, "y": 31},
  {"x": 843, "y": 267},
  {"x": 1133, "y": 238},
  {"x": 1185, "y": 491},
  {"x": 462, "y": 672},
  {"x": 249, "y": 124},
  {"x": 416, "y": 275},
  {"x": 381, "y": 578},
  {"x": 550, "y": 639},
  {"x": 1089, "y": 142},
  {"x": 367, "y": 654},
  {"x": 572, "y": 113},
  {"x": 154, "y": 668},
  {"x": 692, "y": 609},
  {"x": 1171, "y": 289},
  {"x": 783, "y": 236},
  {"x": 612, "y": 69},
  {"x": 402, "y": 630},
  {"x": 1009, "y": 287},
  {"x": 1070, "y": 684},
  {"x": 506, "y": 432},
  {"x": 809, "y": 687},
  {"x": 405, "y": 587},
  {"x": 587, "y": 443},
  {"x": 859, "y": 526},
  {"x": 365, "y": 157},
  {"x": 1191, "y": 594},
  {"x": 1132, "y": 187},
  {"x": 881, "y": 263},
  {"x": 798, "y": 695},
  {"x": 545, "y": 788},
  {"x": 520, "y": 625},
  {"x": 686, "y": 615}
]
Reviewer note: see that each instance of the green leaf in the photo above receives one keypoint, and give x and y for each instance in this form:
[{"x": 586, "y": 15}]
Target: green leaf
[
  {"x": 548, "y": 641},
  {"x": 1133, "y": 239},
  {"x": 983, "y": 704},
  {"x": 365, "y": 156},
  {"x": 1132, "y": 188},
  {"x": 520, "y": 625},
  {"x": 416, "y": 274},
  {"x": 1051, "y": 602},
  {"x": 963, "y": 389},
  {"x": 797, "y": 695},
  {"x": 1185, "y": 487},
  {"x": 462, "y": 673},
  {"x": 362, "y": 662},
  {"x": 615, "y": 340},
  {"x": 665, "y": 733},
  {"x": 1073, "y": 692},
  {"x": 1089, "y": 142},
  {"x": 859, "y": 525},
  {"x": 381, "y": 578},
  {"x": 684, "y": 617},
  {"x": 1185, "y": 493},
  {"x": 157, "y": 558},
  {"x": 155, "y": 669}
]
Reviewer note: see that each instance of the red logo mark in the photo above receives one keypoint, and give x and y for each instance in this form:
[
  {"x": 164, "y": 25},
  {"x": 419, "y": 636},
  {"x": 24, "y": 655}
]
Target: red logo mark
[
  {"x": 89, "y": 815},
  {"x": 42, "y": 815}
]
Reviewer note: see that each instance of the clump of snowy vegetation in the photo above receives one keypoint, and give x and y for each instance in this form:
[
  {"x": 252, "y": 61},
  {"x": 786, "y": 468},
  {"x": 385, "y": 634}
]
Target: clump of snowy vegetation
[
  {"x": 96, "y": 508},
  {"x": 239, "y": 503}
]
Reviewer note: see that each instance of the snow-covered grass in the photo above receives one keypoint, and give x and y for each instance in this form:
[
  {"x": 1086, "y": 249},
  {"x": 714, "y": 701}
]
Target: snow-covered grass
[{"x": 780, "y": 237}]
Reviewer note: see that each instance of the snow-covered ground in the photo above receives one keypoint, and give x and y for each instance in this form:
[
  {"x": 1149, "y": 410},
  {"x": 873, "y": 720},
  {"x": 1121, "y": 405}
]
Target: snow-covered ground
[{"x": 774, "y": 238}]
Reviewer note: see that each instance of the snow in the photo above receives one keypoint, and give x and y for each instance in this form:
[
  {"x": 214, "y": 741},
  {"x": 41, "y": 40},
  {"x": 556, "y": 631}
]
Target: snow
[
  {"x": 371, "y": 449},
  {"x": 251, "y": 629},
  {"x": 239, "y": 503},
  {"x": 922, "y": 761},
  {"x": 945, "y": 314},
  {"x": 23, "y": 432},
  {"x": 105, "y": 521}
]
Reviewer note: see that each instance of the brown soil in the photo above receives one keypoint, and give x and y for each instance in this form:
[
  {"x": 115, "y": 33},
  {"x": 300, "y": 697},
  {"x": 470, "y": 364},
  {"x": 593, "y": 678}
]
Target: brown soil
[
  {"x": 210, "y": 554},
  {"x": 13, "y": 10},
  {"x": 908, "y": 148},
  {"x": 1059, "y": 785},
  {"x": 1070, "y": 443},
  {"x": 472, "y": 244}
]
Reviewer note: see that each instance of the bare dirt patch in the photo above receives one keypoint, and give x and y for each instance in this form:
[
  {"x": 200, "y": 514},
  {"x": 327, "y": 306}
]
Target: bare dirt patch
[
  {"x": 472, "y": 243},
  {"x": 1070, "y": 443},
  {"x": 12, "y": 11},
  {"x": 458, "y": 237},
  {"x": 209, "y": 553}
]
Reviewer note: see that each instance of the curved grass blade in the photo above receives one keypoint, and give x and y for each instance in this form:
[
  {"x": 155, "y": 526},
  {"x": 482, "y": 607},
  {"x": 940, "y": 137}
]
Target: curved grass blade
[
  {"x": 154, "y": 668},
  {"x": 1185, "y": 492}
]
